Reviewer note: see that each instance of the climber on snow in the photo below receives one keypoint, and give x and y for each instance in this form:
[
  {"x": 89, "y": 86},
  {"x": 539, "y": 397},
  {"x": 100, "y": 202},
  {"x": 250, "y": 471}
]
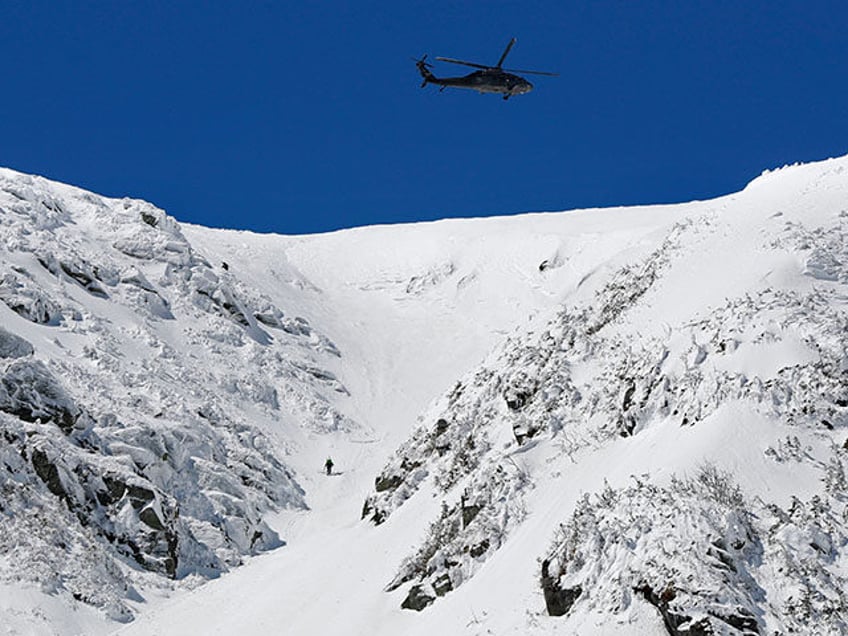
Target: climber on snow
[{"x": 329, "y": 466}]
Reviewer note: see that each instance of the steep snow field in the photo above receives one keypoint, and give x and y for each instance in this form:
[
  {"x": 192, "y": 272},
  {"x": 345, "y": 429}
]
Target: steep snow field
[
  {"x": 633, "y": 417},
  {"x": 414, "y": 308}
]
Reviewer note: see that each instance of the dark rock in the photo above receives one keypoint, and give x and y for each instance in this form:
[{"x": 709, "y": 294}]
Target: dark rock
[
  {"x": 409, "y": 465},
  {"x": 269, "y": 319},
  {"x": 524, "y": 431},
  {"x": 627, "y": 402},
  {"x": 115, "y": 489},
  {"x": 390, "y": 482},
  {"x": 48, "y": 473},
  {"x": 85, "y": 280},
  {"x": 297, "y": 326},
  {"x": 469, "y": 512},
  {"x": 377, "y": 516},
  {"x": 516, "y": 400},
  {"x": 679, "y": 624},
  {"x": 479, "y": 549},
  {"x": 626, "y": 426},
  {"x": 442, "y": 425},
  {"x": 685, "y": 626},
  {"x": 80, "y": 272},
  {"x": 456, "y": 393},
  {"x": 558, "y": 600},
  {"x": 13, "y": 346},
  {"x": 149, "y": 517},
  {"x": 322, "y": 375},
  {"x": 149, "y": 218},
  {"x": 221, "y": 301},
  {"x": 257, "y": 537},
  {"x": 236, "y": 313},
  {"x": 417, "y": 599},
  {"x": 671, "y": 619},
  {"x": 442, "y": 585},
  {"x": 140, "y": 496},
  {"x": 742, "y": 620}
]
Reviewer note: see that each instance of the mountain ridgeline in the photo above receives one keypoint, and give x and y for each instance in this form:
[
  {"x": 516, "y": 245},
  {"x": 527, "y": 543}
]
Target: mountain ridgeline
[{"x": 628, "y": 419}]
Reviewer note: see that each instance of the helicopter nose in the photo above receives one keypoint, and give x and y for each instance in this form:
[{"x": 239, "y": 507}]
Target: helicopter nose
[{"x": 524, "y": 87}]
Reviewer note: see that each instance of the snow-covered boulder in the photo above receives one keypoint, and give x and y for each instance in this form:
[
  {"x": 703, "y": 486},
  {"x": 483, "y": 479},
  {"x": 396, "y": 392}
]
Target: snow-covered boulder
[{"x": 12, "y": 346}]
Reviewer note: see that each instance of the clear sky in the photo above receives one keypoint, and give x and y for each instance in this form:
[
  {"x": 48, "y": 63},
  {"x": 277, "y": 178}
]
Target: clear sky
[{"x": 300, "y": 117}]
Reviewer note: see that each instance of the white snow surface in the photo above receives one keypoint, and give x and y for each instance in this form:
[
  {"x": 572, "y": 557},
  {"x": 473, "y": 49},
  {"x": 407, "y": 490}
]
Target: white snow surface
[{"x": 630, "y": 351}]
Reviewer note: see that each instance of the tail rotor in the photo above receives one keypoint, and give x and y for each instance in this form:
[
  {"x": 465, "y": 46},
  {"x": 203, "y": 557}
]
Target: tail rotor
[{"x": 424, "y": 68}]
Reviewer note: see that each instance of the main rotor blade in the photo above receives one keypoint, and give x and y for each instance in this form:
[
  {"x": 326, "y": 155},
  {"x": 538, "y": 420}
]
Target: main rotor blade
[
  {"x": 464, "y": 63},
  {"x": 514, "y": 70},
  {"x": 506, "y": 50}
]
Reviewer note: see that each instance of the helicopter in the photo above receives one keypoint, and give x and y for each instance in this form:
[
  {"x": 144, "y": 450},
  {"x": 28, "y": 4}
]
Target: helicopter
[{"x": 490, "y": 79}]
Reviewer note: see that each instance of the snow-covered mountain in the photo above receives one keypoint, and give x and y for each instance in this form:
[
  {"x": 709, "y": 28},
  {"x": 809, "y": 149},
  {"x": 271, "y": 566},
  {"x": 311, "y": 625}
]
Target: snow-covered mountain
[{"x": 624, "y": 420}]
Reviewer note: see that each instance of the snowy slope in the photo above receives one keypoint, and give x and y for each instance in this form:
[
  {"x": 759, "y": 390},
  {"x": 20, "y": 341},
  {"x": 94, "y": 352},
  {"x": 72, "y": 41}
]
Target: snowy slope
[
  {"x": 720, "y": 346},
  {"x": 633, "y": 417}
]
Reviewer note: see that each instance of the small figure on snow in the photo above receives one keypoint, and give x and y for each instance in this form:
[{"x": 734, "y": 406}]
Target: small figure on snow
[{"x": 329, "y": 466}]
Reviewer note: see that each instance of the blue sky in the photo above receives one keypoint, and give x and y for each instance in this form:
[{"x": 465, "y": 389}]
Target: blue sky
[{"x": 297, "y": 117}]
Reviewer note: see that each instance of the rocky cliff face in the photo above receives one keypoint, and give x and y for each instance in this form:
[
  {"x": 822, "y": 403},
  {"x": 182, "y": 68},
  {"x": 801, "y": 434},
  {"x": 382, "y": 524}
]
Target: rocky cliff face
[{"x": 132, "y": 376}]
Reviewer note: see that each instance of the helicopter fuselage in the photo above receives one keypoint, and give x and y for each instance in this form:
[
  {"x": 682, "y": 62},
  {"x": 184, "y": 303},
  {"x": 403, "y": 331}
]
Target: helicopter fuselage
[{"x": 487, "y": 81}]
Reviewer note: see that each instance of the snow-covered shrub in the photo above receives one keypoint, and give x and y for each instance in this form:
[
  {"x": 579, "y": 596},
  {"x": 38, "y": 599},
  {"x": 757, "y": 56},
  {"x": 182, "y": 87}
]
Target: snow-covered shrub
[
  {"x": 687, "y": 548},
  {"x": 526, "y": 383},
  {"x": 705, "y": 556},
  {"x": 464, "y": 534}
]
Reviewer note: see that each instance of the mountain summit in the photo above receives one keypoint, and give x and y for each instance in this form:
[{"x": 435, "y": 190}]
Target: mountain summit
[{"x": 627, "y": 420}]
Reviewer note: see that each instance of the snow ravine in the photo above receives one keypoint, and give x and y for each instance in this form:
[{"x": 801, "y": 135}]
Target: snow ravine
[{"x": 613, "y": 421}]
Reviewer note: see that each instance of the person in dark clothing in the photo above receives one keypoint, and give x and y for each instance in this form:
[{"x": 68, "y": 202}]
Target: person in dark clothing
[{"x": 329, "y": 466}]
